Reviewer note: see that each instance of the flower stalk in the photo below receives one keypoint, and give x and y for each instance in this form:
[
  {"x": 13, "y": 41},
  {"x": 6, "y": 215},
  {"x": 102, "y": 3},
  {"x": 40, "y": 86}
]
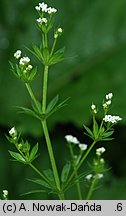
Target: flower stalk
[
  {"x": 44, "y": 90},
  {"x": 76, "y": 174}
]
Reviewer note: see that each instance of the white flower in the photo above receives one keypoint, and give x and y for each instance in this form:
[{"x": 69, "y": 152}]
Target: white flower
[
  {"x": 89, "y": 176},
  {"x": 100, "y": 175},
  {"x": 82, "y": 146},
  {"x": 112, "y": 119},
  {"x": 93, "y": 107},
  {"x": 5, "y": 194},
  {"x": 109, "y": 96},
  {"x": 24, "y": 60},
  {"x": 105, "y": 106},
  {"x": 51, "y": 10},
  {"x": 42, "y": 20},
  {"x": 58, "y": 33},
  {"x": 29, "y": 67},
  {"x": 71, "y": 139},
  {"x": 109, "y": 102},
  {"x": 37, "y": 8},
  {"x": 43, "y": 7},
  {"x": 13, "y": 132},
  {"x": 17, "y": 54},
  {"x": 100, "y": 151},
  {"x": 60, "y": 30}
]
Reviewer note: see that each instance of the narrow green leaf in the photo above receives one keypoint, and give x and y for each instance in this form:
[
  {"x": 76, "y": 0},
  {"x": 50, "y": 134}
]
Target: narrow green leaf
[
  {"x": 38, "y": 52},
  {"x": 106, "y": 139},
  {"x": 28, "y": 112},
  {"x": 17, "y": 156},
  {"x": 59, "y": 106},
  {"x": 34, "y": 105},
  {"x": 32, "y": 74},
  {"x": 92, "y": 137},
  {"x": 33, "y": 152},
  {"x": 88, "y": 130},
  {"x": 18, "y": 71},
  {"x": 63, "y": 103},
  {"x": 52, "y": 104},
  {"x": 26, "y": 147},
  {"x": 57, "y": 56},
  {"x": 34, "y": 191},
  {"x": 65, "y": 172},
  {"x": 31, "y": 51},
  {"x": 14, "y": 69},
  {"x": 49, "y": 174},
  {"x": 40, "y": 182},
  {"x": 107, "y": 134}
]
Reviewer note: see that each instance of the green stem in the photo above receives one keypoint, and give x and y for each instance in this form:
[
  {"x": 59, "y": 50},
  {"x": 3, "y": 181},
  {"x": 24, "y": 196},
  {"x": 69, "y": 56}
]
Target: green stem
[
  {"x": 39, "y": 173},
  {"x": 46, "y": 134},
  {"x": 45, "y": 88},
  {"x": 32, "y": 96},
  {"x": 43, "y": 41},
  {"x": 53, "y": 47},
  {"x": 33, "y": 167},
  {"x": 76, "y": 175},
  {"x": 101, "y": 124},
  {"x": 82, "y": 160},
  {"x": 86, "y": 154},
  {"x": 91, "y": 188},
  {"x": 51, "y": 155},
  {"x": 46, "y": 41}
]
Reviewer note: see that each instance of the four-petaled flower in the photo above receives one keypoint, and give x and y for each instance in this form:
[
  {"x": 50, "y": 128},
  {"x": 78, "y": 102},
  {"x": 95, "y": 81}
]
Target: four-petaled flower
[
  {"x": 112, "y": 119},
  {"x": 17, "y": 54},
  {"x": 72, "y": 139},
  {"x": 24, "y": 60},
  {"x": 100, "y": 151}
]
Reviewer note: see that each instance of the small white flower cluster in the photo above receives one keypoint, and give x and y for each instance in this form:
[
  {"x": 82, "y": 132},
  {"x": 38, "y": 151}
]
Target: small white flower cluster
[
  {"x": 109, "y": 96},
  {"x": 83, "y": 146},
  {"x": 17, "y": 54},
  {"x": 13, "y": 132},
  {"x": 112, "y": 119},
  {"x": 71, "y": 139},
  {"x": 24, "y": 61},
  {"x": 42, "y": 20},
  {"x": 93, "y": 108},
  {"x": 5, "y": 194},
  {"x": 108, "y": 102},
  {"x": 90, "y": 176},
  {"x": 51, "y": 10},
  {"x": 100, "y": 151},
  {"x": 58, "y": 33},
  {"x": 42, "y": 7},
  {"x": 74, "y": 140}
]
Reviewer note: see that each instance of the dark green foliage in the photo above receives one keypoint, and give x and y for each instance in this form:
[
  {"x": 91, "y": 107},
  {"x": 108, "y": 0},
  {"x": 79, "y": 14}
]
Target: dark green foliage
[{"x": 95, "y": 33}]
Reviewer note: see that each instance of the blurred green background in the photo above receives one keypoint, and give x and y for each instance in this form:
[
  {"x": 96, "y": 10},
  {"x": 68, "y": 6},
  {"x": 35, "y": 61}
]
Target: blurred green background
[{"x": 95, "y": 64}]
